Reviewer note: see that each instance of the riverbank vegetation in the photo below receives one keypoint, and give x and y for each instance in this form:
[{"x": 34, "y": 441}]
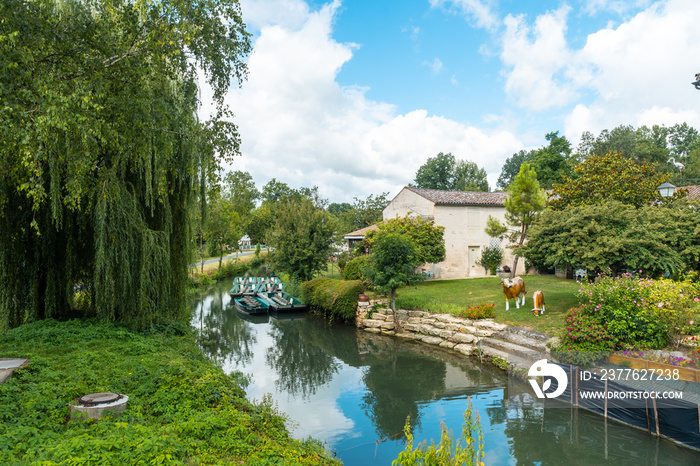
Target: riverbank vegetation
[{"x": 182, "y": 408}]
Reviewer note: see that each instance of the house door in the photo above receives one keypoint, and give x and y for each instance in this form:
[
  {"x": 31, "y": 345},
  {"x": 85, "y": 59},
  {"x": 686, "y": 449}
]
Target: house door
[{"x": 473, "y": 257}]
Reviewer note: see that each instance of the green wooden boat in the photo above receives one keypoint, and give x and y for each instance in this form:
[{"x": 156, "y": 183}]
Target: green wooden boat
[
  {"x": 245, "y": 281},
  {"x": 251, "y": 305},
  {"x": 243, "y": 290},
  {"x": 271, "y": 287},
  {"x": 283, "y": 301}
]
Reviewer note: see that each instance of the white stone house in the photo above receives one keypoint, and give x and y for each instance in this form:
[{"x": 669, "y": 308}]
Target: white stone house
[{"x": 464, "y": 215}]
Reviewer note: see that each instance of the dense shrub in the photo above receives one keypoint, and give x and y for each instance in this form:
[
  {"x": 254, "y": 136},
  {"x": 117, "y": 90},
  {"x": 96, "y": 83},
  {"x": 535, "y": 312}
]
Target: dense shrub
[
  {"x": 354, "y": 269},
  {"x": 641, "y": 312},
  {"x": 231, "y": 268},
  {"x": 491, "y": 258},
  {"x": 480, "y": 311},
  {"x": 336, "y": 299},
  {"x": 585, "y": 339}
]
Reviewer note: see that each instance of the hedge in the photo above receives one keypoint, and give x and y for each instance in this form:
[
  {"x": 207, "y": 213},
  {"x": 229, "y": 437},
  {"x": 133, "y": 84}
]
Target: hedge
[{"x": 336, "y": 299}]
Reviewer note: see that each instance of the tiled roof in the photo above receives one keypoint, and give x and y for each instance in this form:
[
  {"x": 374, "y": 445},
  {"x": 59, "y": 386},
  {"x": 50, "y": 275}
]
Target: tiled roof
[
  {"x": 693, "y": 191},
  {"x": 362, "y": 231},
  {"x": 460, "y": 197}
]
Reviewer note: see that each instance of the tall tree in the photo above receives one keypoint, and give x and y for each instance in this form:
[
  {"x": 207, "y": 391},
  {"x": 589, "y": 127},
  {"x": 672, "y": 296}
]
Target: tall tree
[
  {"x": 224, "y": 228},
  {"x": 101, "y": 149},
  {"x": 523, "y": 205},
  {"x": 511, "y": 168},
  {"x": 240, "y": 191},
  {"x": 366, "y": 212},
  {"x": 552, "y": 161},
  {"x": 470, "y": 177},
  {"x": 436, "y": 173},
  {"x": 446, "y": 173},
  {"x": 301, "y": 238},
  {"x": 608, "y": 177}
]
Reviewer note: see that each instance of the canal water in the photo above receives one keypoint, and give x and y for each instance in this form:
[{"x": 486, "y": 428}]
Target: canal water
[{"x": 353, "y": 390}]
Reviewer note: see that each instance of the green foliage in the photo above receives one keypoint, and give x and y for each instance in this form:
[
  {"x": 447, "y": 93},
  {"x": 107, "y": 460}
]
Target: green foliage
[
  {"x": 651, "y": 145},
  {"x": 101, "y": 150},
  {"x": 223, "y": 228},
  {"x": 354, "y": 269},
  {"x": 362, "y": 213},
  {"x": 182, "y": 408},
  {"x": 491, "y": 258},
  {"x": 446, "y": 173},
  {"x": 553, "y": 161},
  {"x": 424, "y": 234},
  {"x": 240, "y": 191},
  {"x": 511, "y": 168},
  {"x": 550, "y": 162},
  {"x": 336, "y": 299},
  {"x": 601, "y": 178},
  {"x": 394, "y": 260},
  {"x": 479, "y": 311},
  {"x": 656, "y": 239},
  {"x": 301, "y": 238},
  {"x": 466, "y": 451}
]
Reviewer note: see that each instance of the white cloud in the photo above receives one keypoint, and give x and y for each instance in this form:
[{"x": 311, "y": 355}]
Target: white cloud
[
  {"x": 593, "y": 7},
  {"x": 480, "y": 11},
  {"x": 435, "y": 66},
  {"x": 640, "y": 72},
  {"x": 538, "y": 60},
  {"x": 300, "y": 126}
]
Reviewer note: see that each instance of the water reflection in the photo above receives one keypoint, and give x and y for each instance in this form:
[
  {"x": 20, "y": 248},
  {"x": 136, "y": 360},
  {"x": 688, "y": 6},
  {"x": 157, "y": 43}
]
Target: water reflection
[
  {"x": 300, "y": 365},
  {"x": 353, "y": 390},
  {"x": 224, "y": 336}
]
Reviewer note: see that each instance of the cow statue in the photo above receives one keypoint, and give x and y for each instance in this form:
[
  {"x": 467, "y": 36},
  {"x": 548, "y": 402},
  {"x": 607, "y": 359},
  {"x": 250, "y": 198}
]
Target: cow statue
[
  {"x": 538, "y": 302},
  {"x": 515, "y": 289}
]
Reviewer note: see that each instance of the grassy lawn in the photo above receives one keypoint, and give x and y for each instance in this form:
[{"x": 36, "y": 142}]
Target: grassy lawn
[{"x": 452, "y": 296}]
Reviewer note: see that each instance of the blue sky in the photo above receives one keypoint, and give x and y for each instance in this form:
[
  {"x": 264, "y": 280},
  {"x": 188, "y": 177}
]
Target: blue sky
[{"x": 353, "y": 96}]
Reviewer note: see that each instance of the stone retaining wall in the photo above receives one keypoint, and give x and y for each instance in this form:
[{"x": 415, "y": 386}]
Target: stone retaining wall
[{"x": 443, "y": 330}]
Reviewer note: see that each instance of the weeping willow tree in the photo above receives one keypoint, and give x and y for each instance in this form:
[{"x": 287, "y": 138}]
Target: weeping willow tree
[{"x": 102, "y": 153}]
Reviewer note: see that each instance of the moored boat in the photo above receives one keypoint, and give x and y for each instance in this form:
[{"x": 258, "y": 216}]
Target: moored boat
[
  {"x": 245, "y": 281},
  {"x": 241, "y": 289},
  {"x": 271, "y": 287},
  {"x": 283, "y": 301},
  {"x": 251, "y": 305}
]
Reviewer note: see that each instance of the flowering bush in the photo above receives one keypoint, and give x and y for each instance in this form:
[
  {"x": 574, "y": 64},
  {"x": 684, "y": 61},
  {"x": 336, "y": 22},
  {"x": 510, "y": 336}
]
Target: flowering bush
[
  {"x": 585, "y": 339},
  {"x": 641, "y": 312},
  {"x": 480, "y": 311}
]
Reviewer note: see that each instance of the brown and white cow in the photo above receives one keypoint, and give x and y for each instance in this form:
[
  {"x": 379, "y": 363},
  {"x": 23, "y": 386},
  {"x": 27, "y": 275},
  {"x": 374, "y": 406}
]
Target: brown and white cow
[
  {"x": 538, "y": 302},
  {"x": 515, "y": 289}
]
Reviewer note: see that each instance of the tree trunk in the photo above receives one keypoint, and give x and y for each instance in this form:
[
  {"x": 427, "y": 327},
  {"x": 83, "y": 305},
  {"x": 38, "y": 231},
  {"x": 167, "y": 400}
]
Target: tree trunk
[
  {"x": 397, "y": 327},
  {"x": 221, "y": 258},
  {"x": 201, "y": 251},
  {"x": 523, "y": 232}
]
